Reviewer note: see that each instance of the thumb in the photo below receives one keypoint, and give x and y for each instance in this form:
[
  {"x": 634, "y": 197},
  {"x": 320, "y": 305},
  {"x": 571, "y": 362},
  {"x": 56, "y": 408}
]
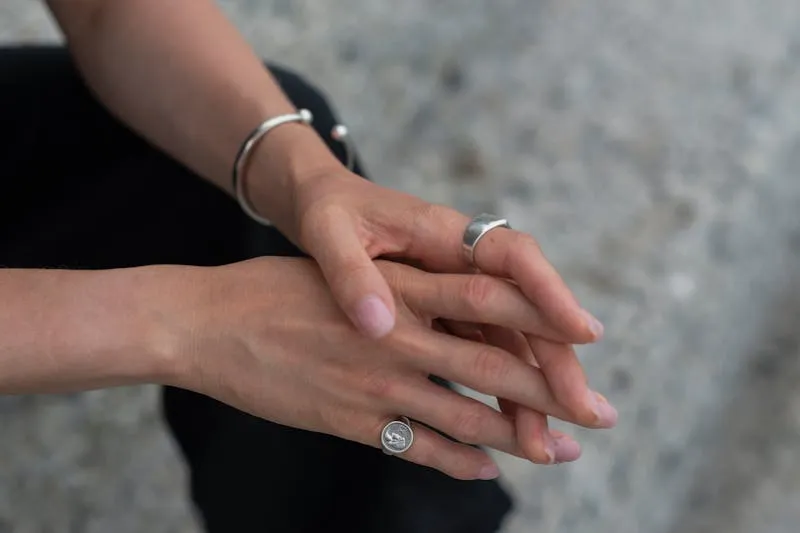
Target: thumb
[{"x": 353, "y": 278}]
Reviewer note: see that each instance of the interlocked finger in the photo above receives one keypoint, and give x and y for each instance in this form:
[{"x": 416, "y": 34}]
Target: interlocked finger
[{"x": 489, "y": 370}]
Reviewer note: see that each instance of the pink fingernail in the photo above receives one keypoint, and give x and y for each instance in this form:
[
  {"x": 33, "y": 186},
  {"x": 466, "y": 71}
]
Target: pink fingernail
[
  {"x": 567, "y": 450},
  {"x": 489, "y": 472},
  {"x": 605, "y": 412},
  {"x": 595, "y": 326},
  {"x": 374, "y": 317},
  {"x": 550, "y": 448}
]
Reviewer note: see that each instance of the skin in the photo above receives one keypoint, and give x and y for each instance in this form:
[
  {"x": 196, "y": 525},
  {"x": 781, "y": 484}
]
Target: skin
[
  {"x": 195, "y": 95},
  {"x": 267, "y": 337}
]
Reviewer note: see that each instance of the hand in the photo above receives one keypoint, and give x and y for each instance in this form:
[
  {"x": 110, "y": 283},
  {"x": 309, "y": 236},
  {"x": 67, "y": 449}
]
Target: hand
[
  {"x": 267, "y": 337},
  {"x": 344, "y": 222}
]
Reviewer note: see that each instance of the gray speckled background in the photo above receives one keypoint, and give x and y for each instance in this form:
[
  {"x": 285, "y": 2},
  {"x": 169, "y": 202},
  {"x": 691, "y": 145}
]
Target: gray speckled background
[{"x": 651, "y": 145}]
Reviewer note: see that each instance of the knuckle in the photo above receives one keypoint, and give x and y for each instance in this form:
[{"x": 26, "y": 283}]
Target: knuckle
[
  {"x": 431, "y": 212},
  {"x": 469, "y": 425},
  {"x": 315, "y": 224},
  {"x": 522, "y": 249},
  {"x": 478, "y": 292},
  {"x": 315, "y": 218},
  {"x": 491, "y": 366},
  {"x": 430, "y": 215},
  {"x": 524, "y": 241}
]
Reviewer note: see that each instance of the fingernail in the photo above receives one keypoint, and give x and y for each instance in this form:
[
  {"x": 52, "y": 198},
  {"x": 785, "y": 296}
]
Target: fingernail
[
  {"x": 603, "y": 410},
  {"x": 374, "y": 317},
  {"x": 595, "y": 326},
  {"x": 550, "y": 448},
  {"x": 489, "y": 472},
  {"x": 567, "y": 449}
]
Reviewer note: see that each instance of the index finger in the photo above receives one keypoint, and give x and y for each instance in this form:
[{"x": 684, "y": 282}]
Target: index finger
[{"x": 504, "y": 253}]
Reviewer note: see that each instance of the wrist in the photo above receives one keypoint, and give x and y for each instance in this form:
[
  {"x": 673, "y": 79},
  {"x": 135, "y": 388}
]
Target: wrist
[
  {"x": 283, "y": 162},
  {"x": 134, "y": 317},
  {"x": 78, "y": 330},
  {"x": 160, "y": 301}
]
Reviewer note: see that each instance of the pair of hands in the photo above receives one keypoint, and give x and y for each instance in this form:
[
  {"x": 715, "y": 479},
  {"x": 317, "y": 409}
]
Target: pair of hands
[{"x": 293, "y": 356}]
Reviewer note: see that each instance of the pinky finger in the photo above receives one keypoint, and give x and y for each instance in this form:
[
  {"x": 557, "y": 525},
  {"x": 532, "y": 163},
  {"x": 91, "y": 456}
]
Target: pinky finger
[
  {"x": 458, "y": 461},
  {"x": 533, "y": 435},
  {"x": 567, "y": 448},
  {"x": 540, "y": 444},
  {"x": 562, "y": 447}
]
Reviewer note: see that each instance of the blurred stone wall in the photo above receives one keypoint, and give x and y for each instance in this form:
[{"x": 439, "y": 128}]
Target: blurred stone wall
[{"x": 652, "y": 147}]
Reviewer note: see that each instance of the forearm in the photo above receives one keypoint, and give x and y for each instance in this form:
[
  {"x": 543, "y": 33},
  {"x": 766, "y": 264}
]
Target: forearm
[
  {"x": 182, "y": 76},
  {"x": 64, "y": 330}
]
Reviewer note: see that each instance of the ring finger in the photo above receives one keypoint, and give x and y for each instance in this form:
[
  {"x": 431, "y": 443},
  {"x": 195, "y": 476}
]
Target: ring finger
[
  {"x": 435, "y": 451},
  {"x": 464, "y": 419}
]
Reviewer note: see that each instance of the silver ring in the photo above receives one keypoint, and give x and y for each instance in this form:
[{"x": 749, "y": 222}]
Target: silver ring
[
  {"x": 397, "y": 436},
  {"x": 476, "y": 229}
]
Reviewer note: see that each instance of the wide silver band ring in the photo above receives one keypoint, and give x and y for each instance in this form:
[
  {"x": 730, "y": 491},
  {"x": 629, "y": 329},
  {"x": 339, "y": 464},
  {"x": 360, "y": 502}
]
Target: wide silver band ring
[
  {"x": 477, "y": 228},
  {"x": 397, "y": 436}
]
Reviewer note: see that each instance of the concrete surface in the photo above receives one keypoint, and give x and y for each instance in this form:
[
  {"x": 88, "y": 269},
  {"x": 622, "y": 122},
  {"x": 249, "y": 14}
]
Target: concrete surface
[{"x": 652, "y": 146}]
